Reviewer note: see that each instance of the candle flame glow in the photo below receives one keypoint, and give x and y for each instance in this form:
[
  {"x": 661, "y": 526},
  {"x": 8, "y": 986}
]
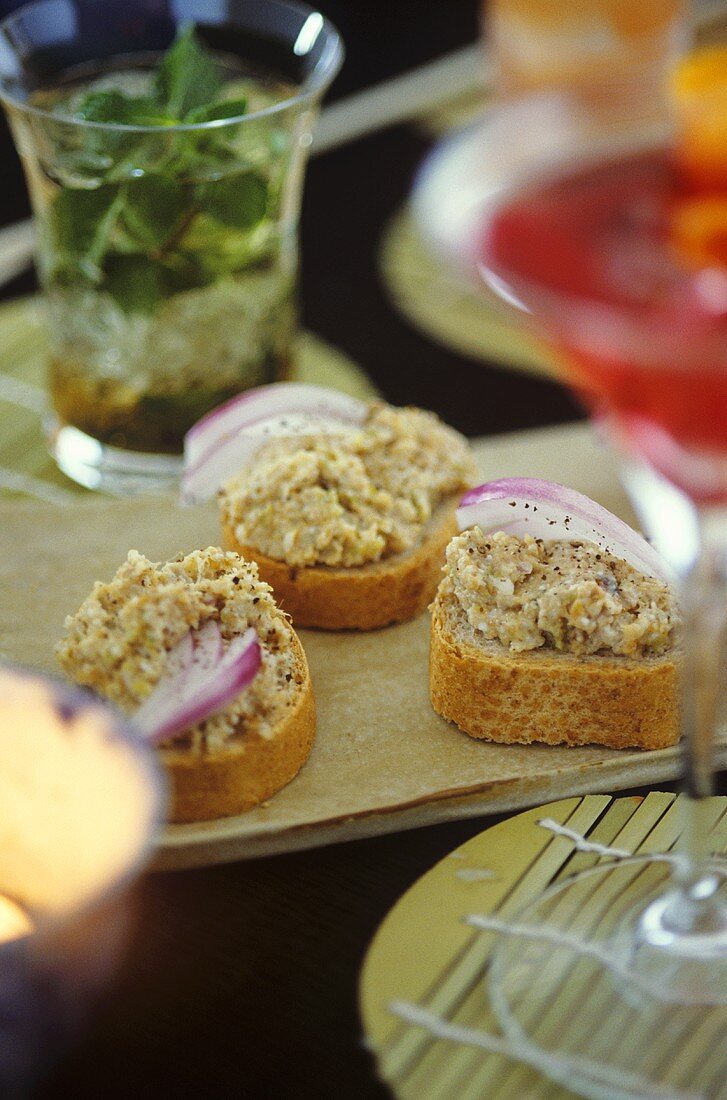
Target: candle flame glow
[{"x": 14, "y": 921}]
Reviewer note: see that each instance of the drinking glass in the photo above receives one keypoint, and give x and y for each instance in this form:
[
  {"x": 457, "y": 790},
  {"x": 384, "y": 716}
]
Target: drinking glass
[
  {"x": 619, "y": 973},
  {"x": 167, "y": 251}
]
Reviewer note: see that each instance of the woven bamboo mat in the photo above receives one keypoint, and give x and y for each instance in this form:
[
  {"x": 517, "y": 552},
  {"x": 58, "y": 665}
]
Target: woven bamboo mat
[
  {"x": 26, "y": 468},
  {"x": 425, "y": 954}
]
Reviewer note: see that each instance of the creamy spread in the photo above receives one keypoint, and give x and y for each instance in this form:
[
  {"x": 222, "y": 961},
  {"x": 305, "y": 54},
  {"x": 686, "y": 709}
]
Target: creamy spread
[
  {"x": 529, "y": 593},
  {"x": 348, "y": 498},
  {"x": 118, "y": 641}
]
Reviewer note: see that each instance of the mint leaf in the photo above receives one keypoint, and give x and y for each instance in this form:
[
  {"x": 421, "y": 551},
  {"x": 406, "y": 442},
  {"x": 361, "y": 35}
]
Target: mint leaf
[
  {"x": 114, "y": 106},
  {"x": 218, "y": 250},
  {"x": 134, "y": 282},
  {"x": 81, "y": 222},
  {"x": 153, "y": 209},
  {"x": 237, "y": 200},
  {"x": 101, "y": 107},
  {"x": 215, "y": 111},
  {"x": 100, "y": 152},
  {"x": 188, "y": 75},
  {"x": 113, "y": 152}
]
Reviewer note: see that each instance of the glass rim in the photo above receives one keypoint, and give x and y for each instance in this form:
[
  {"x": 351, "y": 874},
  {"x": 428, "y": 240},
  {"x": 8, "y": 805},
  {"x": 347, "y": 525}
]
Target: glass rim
[
  {"x": 530, "y": 298},
  {"x": 315, "y": 84}
]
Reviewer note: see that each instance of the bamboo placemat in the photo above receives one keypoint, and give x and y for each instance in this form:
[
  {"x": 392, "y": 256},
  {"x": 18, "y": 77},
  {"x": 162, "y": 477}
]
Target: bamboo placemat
[
  {"x": 426, "y": 955},
  {"x": 26, "y": 468}
]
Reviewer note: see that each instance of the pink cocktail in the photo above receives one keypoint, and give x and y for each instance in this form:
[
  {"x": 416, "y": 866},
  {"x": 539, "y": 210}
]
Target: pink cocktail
[{"x": 644, "y": 332}]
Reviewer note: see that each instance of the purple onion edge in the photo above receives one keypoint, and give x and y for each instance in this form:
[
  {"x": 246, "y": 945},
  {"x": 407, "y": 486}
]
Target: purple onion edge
[
  {"x": 190, "y": 473},
  {"x": 540, "y": 490},
  {"x": 239, "y": 674}
]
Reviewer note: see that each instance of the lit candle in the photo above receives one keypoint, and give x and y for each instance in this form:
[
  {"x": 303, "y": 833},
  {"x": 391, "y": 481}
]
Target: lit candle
[
  {"x": 80, "y": 799},
  {"x": 14, "y": 921}
]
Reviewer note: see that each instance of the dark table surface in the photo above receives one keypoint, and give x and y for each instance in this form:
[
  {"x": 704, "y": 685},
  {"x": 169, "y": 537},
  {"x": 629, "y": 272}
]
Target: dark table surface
[{"x": 241, "y": 980}]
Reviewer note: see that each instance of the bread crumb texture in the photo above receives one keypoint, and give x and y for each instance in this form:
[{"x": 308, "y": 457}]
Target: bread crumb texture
[
  {"x": 528, "y": 594},
  {"x": 348, "y": 499},
  {"x": 119, "y": 640}
]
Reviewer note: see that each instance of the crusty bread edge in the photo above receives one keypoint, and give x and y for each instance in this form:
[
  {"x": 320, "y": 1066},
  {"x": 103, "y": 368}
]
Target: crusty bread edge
[
  {"x": 622, "y": 703},
  {"x": 359, "y": 597},
  {"x": 209, "y": 786}
]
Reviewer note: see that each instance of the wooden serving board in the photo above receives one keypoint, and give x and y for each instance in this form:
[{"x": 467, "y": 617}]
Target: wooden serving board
[{"x": 383, "y": 760}]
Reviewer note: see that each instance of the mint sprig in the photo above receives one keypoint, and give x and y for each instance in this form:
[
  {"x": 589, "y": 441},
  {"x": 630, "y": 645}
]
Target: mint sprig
[
  {"x": 146, "y": 224},
  {"x": 188, "y": 76},
  {"x": 153, "y": 210},
  {"x": 239, "y": 201}
]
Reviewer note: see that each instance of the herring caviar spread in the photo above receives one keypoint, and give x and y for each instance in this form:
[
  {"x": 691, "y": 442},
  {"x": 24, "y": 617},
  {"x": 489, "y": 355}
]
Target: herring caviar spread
[
  {"x": 528, "y": 593},
  {"x": 351, "y": 498},
  {"x": 118, "y": 641}
]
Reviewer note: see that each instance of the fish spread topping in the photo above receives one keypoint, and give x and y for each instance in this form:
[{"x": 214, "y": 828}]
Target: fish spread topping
[
  {"x": 348, "y": 498},
  {"x": 575, "y": 597}
]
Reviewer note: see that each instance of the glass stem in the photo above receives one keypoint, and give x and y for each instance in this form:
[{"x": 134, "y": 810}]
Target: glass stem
[{"x": 704, "y": 609}]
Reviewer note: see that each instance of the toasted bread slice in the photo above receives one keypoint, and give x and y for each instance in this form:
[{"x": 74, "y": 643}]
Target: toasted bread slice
[
  {"x": 206, "y": 786},
  {"x": 547, "y": 696},
  {"x": 362, "y": 597}
]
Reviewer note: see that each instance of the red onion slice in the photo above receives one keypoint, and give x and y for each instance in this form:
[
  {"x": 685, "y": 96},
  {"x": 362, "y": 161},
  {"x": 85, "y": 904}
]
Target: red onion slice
[
  {"x": 231, "y": 454},
  {"x": 278, "y": 399},
  {"x": 225, "y": 440},
  {"x": 201, "y": 677},
  {"x": 544, "y": 509}
]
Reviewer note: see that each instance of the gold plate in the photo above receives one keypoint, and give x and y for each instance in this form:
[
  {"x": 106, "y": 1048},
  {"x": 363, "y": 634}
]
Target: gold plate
[{"x": 425, "y": 954}]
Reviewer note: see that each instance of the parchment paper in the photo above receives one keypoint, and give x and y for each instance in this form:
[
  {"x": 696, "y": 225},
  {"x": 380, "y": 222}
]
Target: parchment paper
[{"x": 383, "y": 759}]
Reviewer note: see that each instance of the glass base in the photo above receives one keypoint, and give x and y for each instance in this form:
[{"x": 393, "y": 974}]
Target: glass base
[
  {"x": 110, "y": 469},
  {"x": 688, "y": 927},
  {"x": 614, "y": 1014}
]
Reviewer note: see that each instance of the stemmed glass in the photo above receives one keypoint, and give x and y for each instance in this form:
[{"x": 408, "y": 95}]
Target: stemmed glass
[{"x": 621, "y": 971}]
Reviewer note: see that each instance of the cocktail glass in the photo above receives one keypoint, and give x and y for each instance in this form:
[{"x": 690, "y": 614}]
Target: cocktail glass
[
  {"x": 167, "y": 250},
  {"x": 619, "y": 974}
]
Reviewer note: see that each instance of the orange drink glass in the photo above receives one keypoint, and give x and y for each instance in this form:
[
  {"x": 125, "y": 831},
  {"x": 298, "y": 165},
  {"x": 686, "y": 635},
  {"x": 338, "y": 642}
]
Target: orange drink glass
[{"x": 610, "y": 53}]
